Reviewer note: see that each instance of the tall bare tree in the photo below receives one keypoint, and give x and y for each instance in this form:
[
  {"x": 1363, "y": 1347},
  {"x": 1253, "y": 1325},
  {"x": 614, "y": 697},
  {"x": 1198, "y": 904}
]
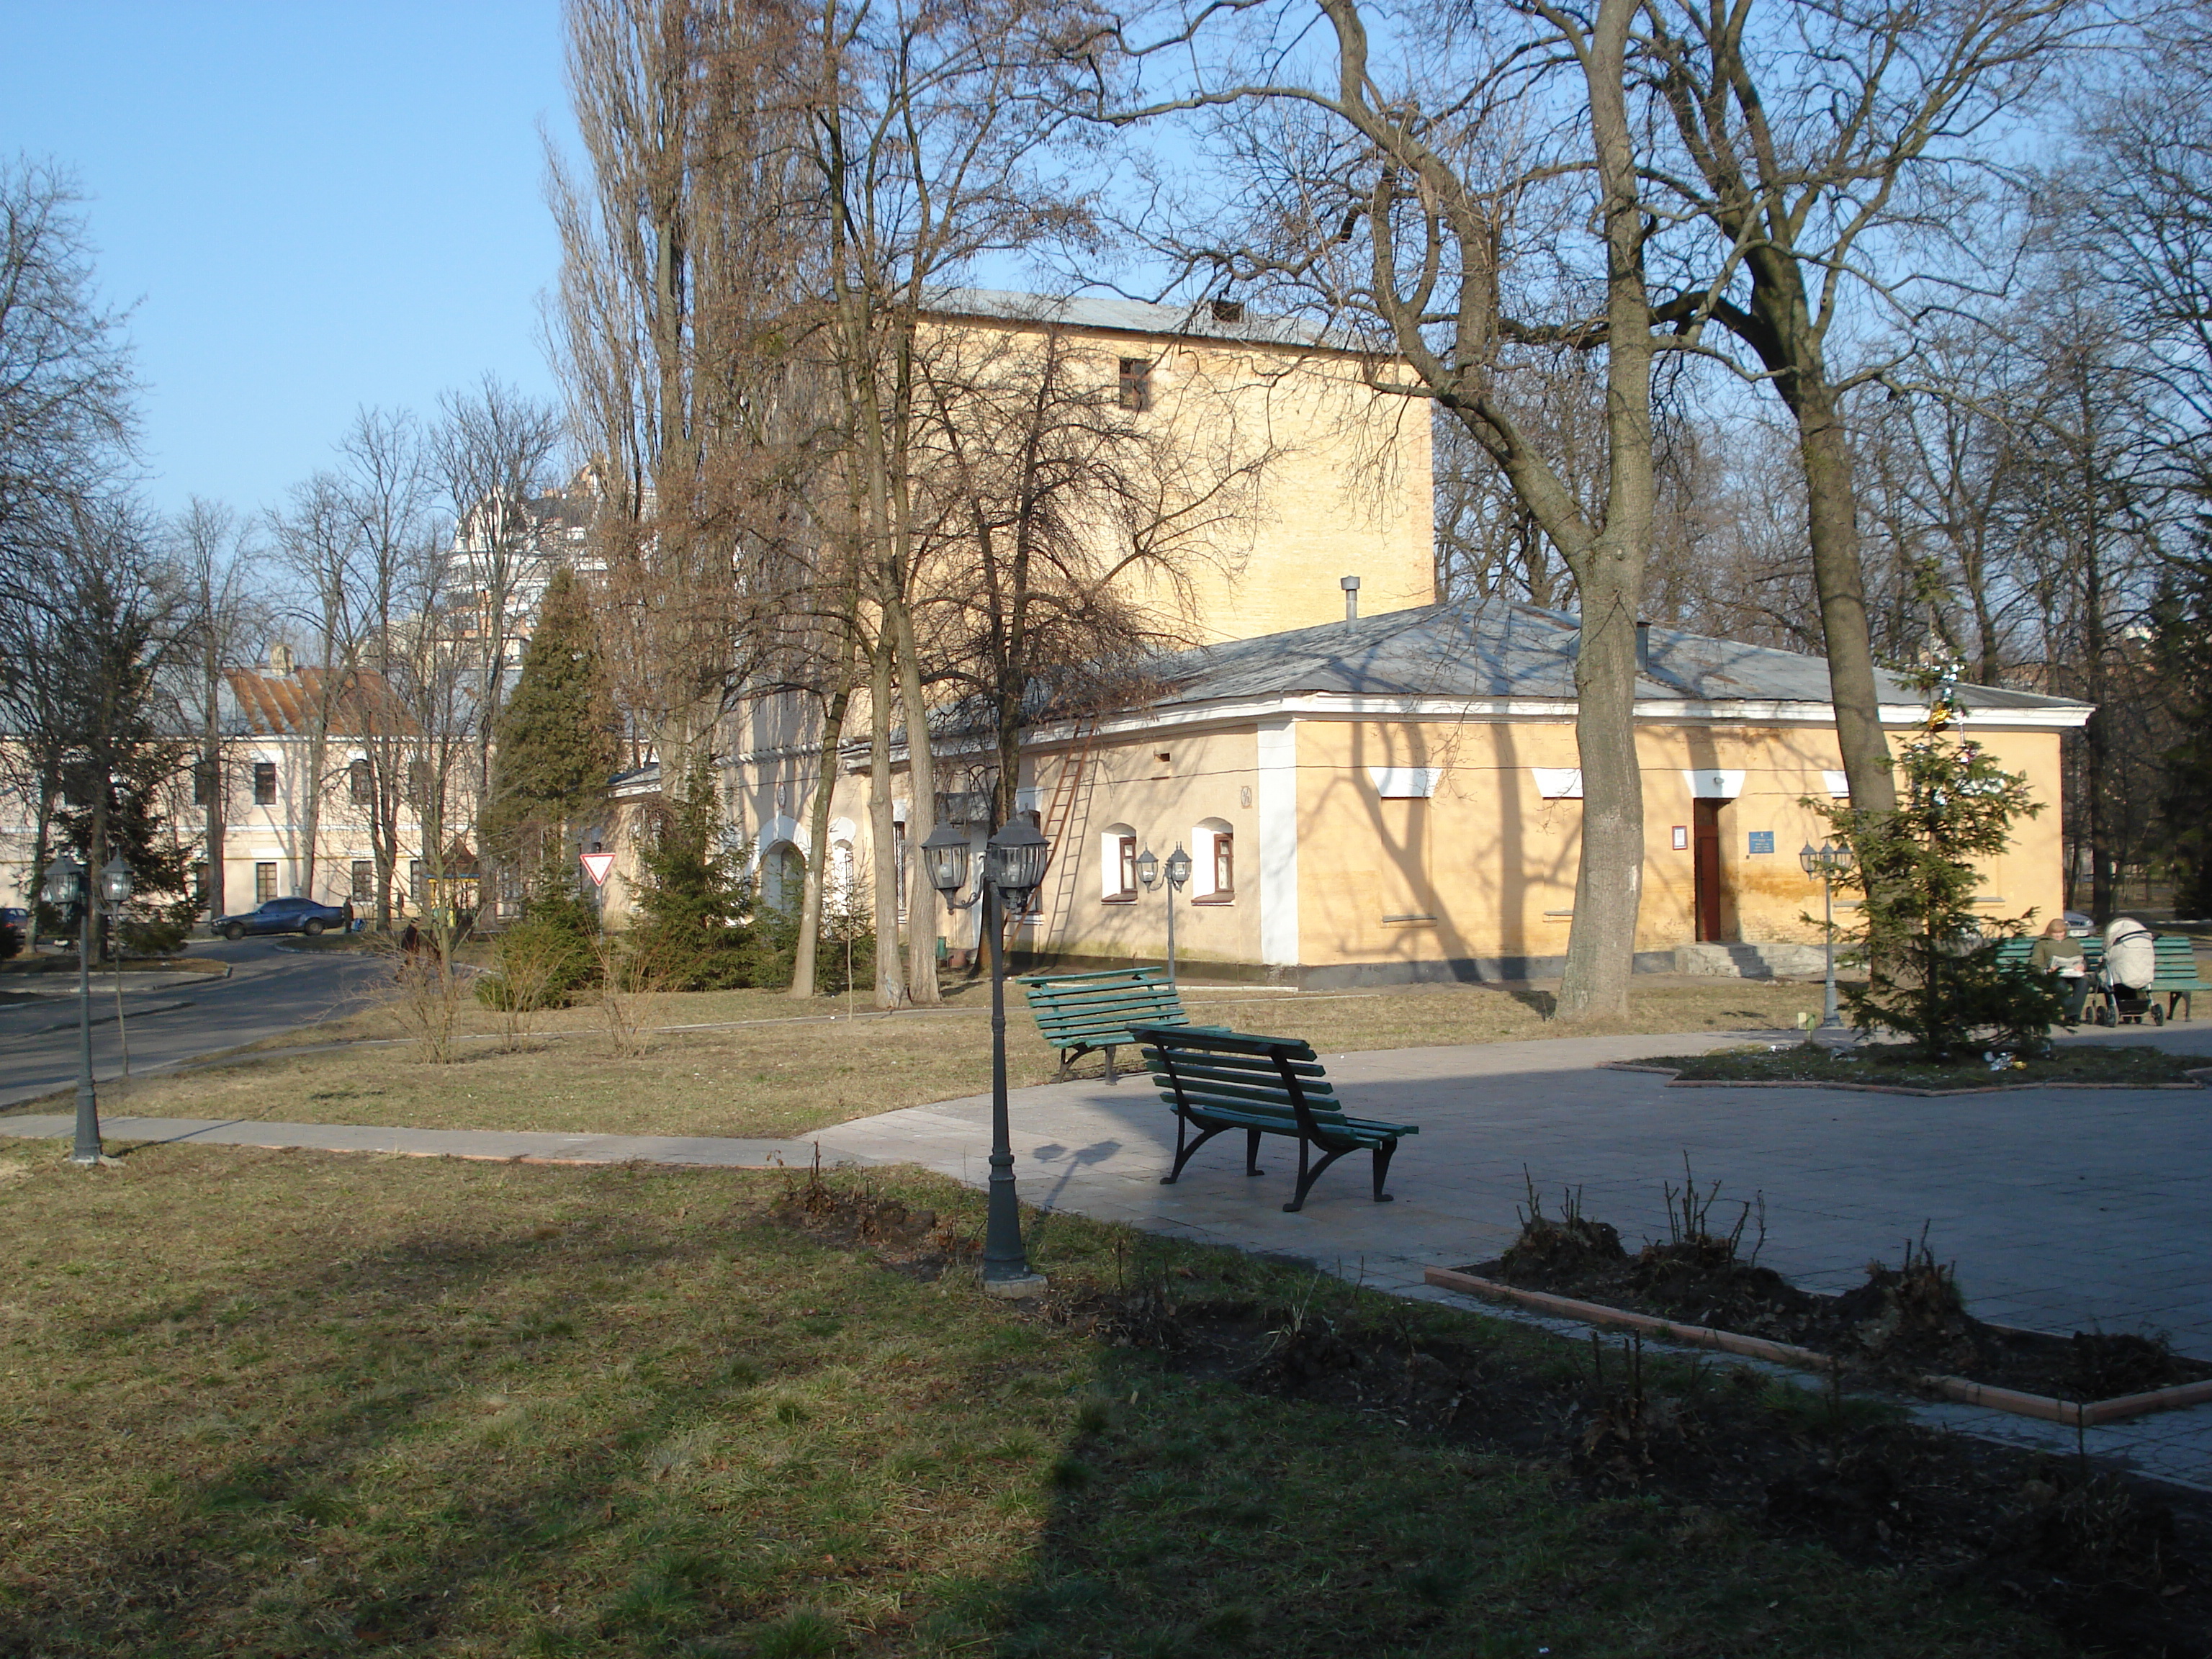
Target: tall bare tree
[
  {"x": 215, "y": 558},
  {"x": 491, "y": 449},
  {"x": 1434, "y": 202},
  {"x": 1812, "y": 138}
]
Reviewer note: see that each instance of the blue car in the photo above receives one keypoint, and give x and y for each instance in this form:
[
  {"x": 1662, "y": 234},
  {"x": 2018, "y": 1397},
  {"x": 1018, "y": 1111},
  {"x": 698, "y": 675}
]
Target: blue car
[{"x": 282, "y": 915}]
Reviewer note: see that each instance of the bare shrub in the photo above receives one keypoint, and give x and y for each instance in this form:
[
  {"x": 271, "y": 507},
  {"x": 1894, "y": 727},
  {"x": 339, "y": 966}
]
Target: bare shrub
[
  {"x": 631, "y": 985},
  {"x": 533, "y": 967},
  {"x": 427, "y": 1001}
]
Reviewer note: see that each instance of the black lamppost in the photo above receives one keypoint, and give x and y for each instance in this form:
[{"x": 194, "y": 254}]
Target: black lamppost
[
  {"x": 1148, "y": 871},
  {"x": 65, "y": 885},
  {"x": 1827, "y": 862},
  {"x": 1013, "y": 866}
]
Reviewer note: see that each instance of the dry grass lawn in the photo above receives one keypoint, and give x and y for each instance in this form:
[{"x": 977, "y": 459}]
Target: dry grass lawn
[
  {"x": 262, "y": 1403},
  {"x": 771, "y": 1067}
]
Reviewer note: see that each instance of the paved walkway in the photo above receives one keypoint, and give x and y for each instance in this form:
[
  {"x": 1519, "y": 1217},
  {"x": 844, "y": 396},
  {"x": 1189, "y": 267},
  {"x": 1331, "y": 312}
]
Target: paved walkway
[{"x": 2064, "y": 1209}]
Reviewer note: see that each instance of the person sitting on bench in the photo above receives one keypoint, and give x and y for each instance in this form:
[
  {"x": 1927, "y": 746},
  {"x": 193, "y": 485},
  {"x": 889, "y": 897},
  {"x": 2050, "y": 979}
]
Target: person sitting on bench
[{"x": 2059, "y": 952}]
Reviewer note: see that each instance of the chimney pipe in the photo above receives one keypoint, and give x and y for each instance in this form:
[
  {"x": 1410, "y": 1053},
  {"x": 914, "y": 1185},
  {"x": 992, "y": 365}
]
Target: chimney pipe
[
  {"x": 1644, "y": 647},
  {"x": 1350, "y": 586}
]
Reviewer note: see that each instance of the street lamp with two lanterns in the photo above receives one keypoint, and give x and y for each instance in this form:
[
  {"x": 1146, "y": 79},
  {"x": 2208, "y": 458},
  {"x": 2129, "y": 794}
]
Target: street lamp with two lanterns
[
  {"x": 1178, "y": 872},
  {"x": 65, "y": 886},
  {"x": 1013, "y": 868},
  {"x": 1830, "y": 863}
]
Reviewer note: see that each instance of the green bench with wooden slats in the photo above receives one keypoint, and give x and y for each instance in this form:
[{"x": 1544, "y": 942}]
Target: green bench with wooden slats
[
  {"x": 2177, "y": 974},
  {"x": 1080, "y": 1014},
  {"x": 1218, "y": 1080}
]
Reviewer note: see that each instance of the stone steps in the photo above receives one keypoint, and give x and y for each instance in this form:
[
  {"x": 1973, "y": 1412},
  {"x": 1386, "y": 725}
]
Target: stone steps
[{"x": 1713, "y": 961}]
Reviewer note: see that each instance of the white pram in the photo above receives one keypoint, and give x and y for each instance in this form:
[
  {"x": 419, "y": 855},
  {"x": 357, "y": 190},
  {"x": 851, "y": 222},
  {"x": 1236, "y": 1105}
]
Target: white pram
[{"x": 2124, "y": 976}]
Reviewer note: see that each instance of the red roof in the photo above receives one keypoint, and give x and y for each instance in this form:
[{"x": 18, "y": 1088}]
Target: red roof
[{"x": 360, "y": 703}]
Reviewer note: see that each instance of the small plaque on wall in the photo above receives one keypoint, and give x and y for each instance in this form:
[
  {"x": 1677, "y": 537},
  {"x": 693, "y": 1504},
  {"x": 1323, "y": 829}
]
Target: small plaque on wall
[
  {"x": 1681, "y": 837},
  {"x": 1762, "y": 841}
]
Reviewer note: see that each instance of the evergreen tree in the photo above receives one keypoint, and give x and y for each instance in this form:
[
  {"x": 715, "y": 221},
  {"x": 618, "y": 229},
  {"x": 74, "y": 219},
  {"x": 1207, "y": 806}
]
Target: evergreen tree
[
  {"x": 695, "y": 928},
  {"x": 1933, "y": 974},
  {"x": 556, "y": 734},
  {"x": 2181, "y": 642}
]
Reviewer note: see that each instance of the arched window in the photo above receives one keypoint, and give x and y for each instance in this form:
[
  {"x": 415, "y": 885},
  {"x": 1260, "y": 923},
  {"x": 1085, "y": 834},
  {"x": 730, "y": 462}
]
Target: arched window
[
  {"x": 1117, "y": 864},
  {"x": 1214, "y": 862},
  {"x": 782, "y": 878}
]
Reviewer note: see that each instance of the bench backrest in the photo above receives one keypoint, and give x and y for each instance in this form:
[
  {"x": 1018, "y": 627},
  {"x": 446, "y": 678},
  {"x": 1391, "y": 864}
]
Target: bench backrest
[
  {"x": 2176, "y": 954},
  {"x": 1238, "y": 1072},
  {"x": 1096, "y": 1010}
]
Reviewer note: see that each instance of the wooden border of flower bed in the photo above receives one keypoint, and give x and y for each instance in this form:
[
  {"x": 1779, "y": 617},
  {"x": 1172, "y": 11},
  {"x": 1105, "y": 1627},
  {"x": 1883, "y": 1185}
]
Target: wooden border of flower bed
[
  {"x": 2073, "y": 1415},
  {"x": 2201, "y": 1076}
]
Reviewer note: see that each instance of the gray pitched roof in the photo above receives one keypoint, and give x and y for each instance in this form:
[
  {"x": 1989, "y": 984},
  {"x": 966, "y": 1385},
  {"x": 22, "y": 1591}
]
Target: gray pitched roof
[
  {"x": 1503, "y": 650},
  {"x": 1120, "y": 316}
]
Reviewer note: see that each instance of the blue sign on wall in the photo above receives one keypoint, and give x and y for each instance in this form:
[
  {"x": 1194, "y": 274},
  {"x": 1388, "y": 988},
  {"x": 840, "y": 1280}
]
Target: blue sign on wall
[{"x": 1762, "y": 841}]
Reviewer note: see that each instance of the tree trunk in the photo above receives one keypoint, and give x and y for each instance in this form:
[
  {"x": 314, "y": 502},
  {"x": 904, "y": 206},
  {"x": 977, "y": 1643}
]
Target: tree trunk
[
  {"x": 817, "y": 829},
  {"x": 1832, "y": 528},
  {"x": 1609, "y": 876},
  {"x": 921, "y": 817},
  {"x": 891, "y": 988}
]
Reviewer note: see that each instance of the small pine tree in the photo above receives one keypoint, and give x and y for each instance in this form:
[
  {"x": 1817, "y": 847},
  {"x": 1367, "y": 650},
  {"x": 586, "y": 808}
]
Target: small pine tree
[
  {"x": 694, "y": 929},
  {"x": 1931, "y": 958},
  {"x": 556, "y": 734},
  {"x": 2181, "y": 648},
  {"x": 557, "y": 935}
]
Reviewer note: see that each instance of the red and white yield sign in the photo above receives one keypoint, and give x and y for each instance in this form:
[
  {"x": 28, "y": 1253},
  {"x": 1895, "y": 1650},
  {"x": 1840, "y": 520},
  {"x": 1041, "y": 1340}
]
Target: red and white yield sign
[{"x": 596, "y": 866}]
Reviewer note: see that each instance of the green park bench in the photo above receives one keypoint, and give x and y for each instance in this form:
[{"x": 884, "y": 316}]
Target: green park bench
[
  {"x": 1079, "y": 1013},
  {"x": 2177, "y": 976},
  {"x": 1218, "y": 1080}
]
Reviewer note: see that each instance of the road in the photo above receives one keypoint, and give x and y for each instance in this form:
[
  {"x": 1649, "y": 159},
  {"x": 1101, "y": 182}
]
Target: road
[{"x": 174, "y": 1017}]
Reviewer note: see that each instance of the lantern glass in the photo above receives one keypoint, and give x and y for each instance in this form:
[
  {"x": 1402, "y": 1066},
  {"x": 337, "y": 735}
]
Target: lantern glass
[
  {"x": 115, "y": 881},
  {"x": 1178, "y": 865},
  {"x": 1148, "y": 869},
  {"x": 62, "y": 877},
  {"x": 1014, "y": 863},
  {"x": 1840, "y": 856},
  {"x": 1808, "y": 859},
  {"x": 944, "y": 859}
]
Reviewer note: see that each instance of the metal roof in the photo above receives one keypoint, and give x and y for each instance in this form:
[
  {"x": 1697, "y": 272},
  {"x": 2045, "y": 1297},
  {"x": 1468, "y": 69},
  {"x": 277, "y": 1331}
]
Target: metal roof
[
  {"x": 1117, "y": 315},
  {"x": 1499, "y": 649}
]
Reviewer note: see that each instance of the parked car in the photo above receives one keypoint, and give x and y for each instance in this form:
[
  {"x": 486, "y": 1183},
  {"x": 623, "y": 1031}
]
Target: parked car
[
  {"x": 2079, "y": 925},
  {"x": 281, "y": 915},
  {"x": 15, "y": 930}
]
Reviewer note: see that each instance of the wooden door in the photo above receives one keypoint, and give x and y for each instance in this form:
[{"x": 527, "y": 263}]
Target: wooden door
[{"x": 1705, "y": 851}]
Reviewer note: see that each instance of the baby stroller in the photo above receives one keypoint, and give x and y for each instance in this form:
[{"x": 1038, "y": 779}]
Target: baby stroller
[{"x": 2123, "y": 1005}]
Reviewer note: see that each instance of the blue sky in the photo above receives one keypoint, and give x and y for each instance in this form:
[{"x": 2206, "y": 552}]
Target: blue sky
[{"x": 311, "y": 205}]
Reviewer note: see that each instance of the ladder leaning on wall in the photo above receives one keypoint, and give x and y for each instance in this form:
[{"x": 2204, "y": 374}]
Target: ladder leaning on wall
[{"x": 1067, "y": 814}]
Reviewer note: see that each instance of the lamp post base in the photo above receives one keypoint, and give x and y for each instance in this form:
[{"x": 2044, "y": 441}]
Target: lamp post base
[{"x": 1018, "y": 1288}]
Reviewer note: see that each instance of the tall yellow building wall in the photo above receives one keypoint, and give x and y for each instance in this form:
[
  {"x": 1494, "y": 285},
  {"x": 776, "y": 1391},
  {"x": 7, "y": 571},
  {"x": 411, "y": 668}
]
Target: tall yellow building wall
[
  {"x": 1487, "y": 866},
  {"x": 1345, "y": 485}
]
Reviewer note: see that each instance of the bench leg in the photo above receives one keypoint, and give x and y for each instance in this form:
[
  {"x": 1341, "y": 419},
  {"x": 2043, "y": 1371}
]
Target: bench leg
[
  {"x": 1184, "y": 1154},
  {"x": 1110, "y": 1062},
  {"x": 1307, "y": 1177},
  {"x": 1382, "y": 1171},
  {"x": 1252, "y": 1153}
]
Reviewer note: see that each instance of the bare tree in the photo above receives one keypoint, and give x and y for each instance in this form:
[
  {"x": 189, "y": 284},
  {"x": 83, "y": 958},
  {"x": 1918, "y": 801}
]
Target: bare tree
[
  {"x": 1436, "y": 203},
  {"x": 216, "y": 560},
  {"x": 491, "y": 450},
  {"x": 1810, "y": 138}
]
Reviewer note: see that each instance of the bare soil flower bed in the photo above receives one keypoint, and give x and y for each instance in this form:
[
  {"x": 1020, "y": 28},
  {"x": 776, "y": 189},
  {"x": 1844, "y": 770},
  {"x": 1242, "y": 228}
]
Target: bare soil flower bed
[
  {"x": 1901, "y": 1066},
  {"x": 1903, "y": 1324}
]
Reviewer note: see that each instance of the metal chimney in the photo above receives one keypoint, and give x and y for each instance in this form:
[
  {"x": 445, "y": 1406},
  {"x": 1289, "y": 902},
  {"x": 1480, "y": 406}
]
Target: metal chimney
[{"x": 1350, "y": 586}]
